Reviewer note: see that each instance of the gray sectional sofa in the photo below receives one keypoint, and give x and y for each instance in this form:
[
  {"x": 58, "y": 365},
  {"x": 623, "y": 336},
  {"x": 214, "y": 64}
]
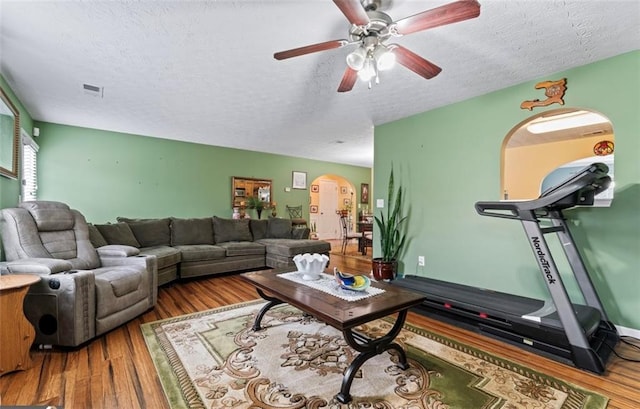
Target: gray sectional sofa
[
  {"x": 210, "y": 245},
  {"x": 94, "y": 278}
]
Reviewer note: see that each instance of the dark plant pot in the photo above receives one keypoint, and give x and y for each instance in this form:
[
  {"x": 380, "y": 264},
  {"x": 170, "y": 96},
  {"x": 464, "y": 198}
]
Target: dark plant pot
[
  {"x": 384, "y": 270},
  {"x": 259, "y": 211}
]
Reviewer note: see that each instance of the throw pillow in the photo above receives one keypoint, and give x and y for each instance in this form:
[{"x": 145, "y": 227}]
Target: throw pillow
[
  {"x": 231, "y": 230},
  {"x": 121, "y": 219},
  {"x": 152, "y": 232},
  {"x": 96, "y": 238},
  {"x": 258, "y": 228},
  {"x": 191, "y": 231},
  {"x": 279, "y": 228},
  {"x": 118, "y": 233}
]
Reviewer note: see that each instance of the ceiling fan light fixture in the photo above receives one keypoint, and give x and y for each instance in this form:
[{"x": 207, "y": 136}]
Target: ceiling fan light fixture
[
  {"x": 356, "y": 59},
  {"x": 368, "y": 70},
  {"x": 385, "y": 58}
]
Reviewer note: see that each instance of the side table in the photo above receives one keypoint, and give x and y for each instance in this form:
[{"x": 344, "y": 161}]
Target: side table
[{"x": 16, "y": 332}]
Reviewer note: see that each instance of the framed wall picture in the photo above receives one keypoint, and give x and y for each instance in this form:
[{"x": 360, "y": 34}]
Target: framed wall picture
[
  {"x": 343, "y": 190},
  {"x": 313, "y": 209},
  {"x": 346, "y": 202},
  {"x": 315, "y": 188},
  {"x": 299, "y": 180},
  {"x": 364, "y": 193}
]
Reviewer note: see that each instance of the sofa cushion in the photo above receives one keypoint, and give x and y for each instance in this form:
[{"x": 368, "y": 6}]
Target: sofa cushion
[
  {"x": 95, "y": 237},
  {"x": 278, "y": 228},
  {"x": 118, "y": 233},
  {"x": 201, "y": 252},
  {"x": 290, "y": 247},
  {"x": 191, "y": 231},
  {"x": 300, "y": 233},
  {"x": 166, "y": 256},
  {"x": 231, "y": 230},
  {"x": 242, "y": 248},
  {"x": 121, "y": 219},
  {"x": 258, "y": 228},
  {"x": 154, "y": 232}
]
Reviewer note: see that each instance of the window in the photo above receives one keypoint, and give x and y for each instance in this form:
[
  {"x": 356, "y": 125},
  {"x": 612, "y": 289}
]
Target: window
[{"x": 29, "y": 168}]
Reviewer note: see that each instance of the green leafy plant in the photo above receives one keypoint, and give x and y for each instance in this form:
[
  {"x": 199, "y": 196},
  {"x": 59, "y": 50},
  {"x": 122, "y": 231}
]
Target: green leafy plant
[
  {"x": 392, "y": 227},
  {"x": 254, "y": 202}
]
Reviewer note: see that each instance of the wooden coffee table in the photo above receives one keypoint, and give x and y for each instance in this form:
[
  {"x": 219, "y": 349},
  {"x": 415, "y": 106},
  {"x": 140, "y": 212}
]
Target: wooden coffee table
[{"x": 342, "y": 315}]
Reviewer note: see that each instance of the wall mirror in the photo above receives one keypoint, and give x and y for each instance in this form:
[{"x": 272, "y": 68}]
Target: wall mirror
[
  {"x": 546, "y": 148},
  {"x": 242, "y": 188},
  {"x": 9, "y": 136}
]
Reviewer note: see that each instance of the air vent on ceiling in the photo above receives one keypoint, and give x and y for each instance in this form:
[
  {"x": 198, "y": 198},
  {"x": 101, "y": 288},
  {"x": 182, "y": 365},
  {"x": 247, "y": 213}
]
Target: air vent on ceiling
[{"x": 93, "y": 90}]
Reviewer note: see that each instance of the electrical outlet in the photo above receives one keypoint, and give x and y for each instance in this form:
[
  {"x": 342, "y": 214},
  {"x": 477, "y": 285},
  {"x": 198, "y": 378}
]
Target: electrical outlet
[{"x": 421, "y": 261}]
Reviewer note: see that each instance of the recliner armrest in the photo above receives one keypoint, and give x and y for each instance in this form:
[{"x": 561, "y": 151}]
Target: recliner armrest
[
  {"x": 149, "y": 261},
  {"x": 40, "y": 266},
  {"x": 117, "y": 250}
]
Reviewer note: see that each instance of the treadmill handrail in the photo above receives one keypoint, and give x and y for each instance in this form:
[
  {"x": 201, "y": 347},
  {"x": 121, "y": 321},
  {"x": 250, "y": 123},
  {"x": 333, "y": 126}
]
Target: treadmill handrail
[
  {"x": 591, "y": 180},
  {"x": 485, "y": 209}
]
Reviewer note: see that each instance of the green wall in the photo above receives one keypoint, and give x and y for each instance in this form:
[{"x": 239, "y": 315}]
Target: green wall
[
  {"x": 107, "y": 174},
  {"x": 449, "y": 158}
]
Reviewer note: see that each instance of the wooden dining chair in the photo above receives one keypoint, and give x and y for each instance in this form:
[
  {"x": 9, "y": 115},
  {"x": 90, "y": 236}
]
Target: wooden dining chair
[{"x": 347, "y": 235}]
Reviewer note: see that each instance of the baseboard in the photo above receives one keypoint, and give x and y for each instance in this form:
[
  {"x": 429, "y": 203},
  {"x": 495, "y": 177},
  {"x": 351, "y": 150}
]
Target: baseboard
[{"x": 629, "y": 332}]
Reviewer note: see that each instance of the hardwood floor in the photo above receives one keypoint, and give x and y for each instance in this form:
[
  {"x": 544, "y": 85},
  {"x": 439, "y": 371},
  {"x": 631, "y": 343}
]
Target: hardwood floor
[{"x": 116, "y": 371}]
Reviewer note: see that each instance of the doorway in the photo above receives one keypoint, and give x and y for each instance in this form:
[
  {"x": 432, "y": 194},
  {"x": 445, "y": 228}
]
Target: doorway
[{"x": 329, "y": 195}]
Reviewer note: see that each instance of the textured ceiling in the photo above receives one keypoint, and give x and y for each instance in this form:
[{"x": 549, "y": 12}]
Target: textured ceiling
[{"x": 203, "y": 71}]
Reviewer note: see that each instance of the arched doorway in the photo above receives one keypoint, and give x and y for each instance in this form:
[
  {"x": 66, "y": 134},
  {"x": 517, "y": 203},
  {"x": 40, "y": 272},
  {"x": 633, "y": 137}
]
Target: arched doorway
[
  {"x": 330, "y": 194},
  {"x": 548, "y": 147}
]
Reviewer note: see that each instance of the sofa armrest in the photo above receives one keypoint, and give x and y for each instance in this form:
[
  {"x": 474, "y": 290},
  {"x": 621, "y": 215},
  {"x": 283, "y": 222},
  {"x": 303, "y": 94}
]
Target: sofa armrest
[
  {"x": 117, "y": 250},
  {"x": 300, "y": 233},
  {"x": 150, "y": 262},
  {"x": 62, "y": 308},
  {"x": 40, "y": 266}
]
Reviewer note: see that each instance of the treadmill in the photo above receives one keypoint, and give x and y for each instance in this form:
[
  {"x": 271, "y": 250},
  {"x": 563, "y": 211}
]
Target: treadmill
[{"x": 580, "y": 335}]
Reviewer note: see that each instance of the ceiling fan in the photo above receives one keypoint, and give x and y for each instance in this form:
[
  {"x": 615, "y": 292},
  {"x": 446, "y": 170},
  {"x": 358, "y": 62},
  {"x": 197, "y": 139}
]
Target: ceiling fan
[{"x": 371, "y": 28}]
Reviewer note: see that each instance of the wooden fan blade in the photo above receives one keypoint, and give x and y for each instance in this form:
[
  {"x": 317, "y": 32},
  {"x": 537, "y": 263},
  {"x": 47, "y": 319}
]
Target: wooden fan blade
[
  {"x": 348, "y": 80},
  {"x": 439, "y": 16},
  {"x": 414, "y": 62},
  {"x": 313, "y": 48},
  {"x": 353, "y": 11}
]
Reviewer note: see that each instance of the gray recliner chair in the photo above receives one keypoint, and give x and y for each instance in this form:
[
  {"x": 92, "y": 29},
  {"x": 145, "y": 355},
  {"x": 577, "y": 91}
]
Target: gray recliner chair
[{"x": 83, "y": 292}]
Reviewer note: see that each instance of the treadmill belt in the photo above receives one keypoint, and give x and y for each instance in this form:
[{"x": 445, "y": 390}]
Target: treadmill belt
[{"x": 496, "y": 304}]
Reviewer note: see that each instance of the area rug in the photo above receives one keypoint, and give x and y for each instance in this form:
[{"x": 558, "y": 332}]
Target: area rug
[{"x": 213, "y": 359}]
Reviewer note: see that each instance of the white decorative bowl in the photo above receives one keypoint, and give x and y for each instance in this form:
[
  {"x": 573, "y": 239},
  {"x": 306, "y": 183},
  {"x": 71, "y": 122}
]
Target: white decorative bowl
[{"x": 311, "y": 265}]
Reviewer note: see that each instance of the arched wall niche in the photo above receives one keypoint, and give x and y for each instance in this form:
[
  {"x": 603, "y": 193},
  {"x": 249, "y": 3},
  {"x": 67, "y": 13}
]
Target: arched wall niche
[{"x": 551, "y": 145}]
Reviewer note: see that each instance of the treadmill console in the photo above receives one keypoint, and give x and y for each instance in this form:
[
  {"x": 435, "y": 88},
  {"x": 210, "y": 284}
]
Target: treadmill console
[{"x": 577, "y": 190}]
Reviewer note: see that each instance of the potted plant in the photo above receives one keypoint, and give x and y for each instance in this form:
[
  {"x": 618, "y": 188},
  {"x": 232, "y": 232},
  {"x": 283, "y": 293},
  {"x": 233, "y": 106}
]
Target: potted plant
[
  {"x": 392, "y": 234},
  {"x": 314, "y": 234},
  {"x": 254, "y": 202}
]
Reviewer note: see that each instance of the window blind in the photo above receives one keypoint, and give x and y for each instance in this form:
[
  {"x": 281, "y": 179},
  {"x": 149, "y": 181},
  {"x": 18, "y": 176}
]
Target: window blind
[{"x": 29, "y": 168}]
